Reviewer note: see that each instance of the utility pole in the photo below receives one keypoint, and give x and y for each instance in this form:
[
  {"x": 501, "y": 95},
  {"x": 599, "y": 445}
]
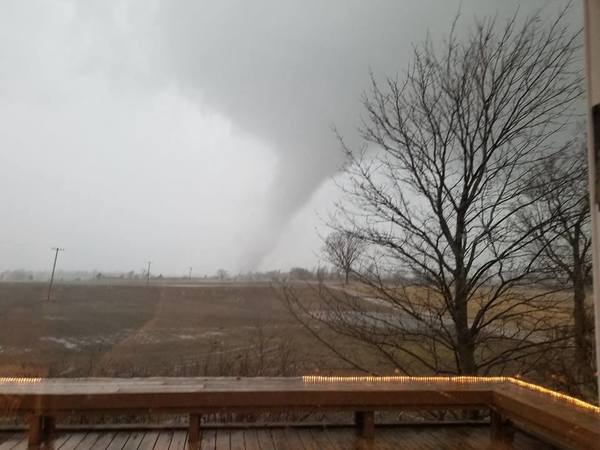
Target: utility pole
[
  {"x": 190, "y": 273},
  {"x": 148, "y": 273},
  {"x": 56, "y": 250}
]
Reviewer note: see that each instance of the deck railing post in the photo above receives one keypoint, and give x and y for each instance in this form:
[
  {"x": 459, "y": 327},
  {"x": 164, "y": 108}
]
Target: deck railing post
[
  {"x": 48, "y": 426},
  {"x": 194, "y": 431},
  {"x": 501, "y": 428},
  {"x": 365, "y": 423},
  {"x": 34, "y": 434},
  {"x": 40, "y": 428}
]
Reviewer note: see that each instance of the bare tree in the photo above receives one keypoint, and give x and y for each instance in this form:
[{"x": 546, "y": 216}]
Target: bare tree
[
  {"x": 343, "y": 249},
  {"x": 560, "y": 185},
  {"x": 222, "y": 275},
  {"x": 437, "y": 190}
]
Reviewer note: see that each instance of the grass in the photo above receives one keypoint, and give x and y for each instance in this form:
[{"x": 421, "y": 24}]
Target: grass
[
  {"x": 86, "y": 328},
  {"x": 556, "y": 305},
  {"x": 165, "y": 330}
]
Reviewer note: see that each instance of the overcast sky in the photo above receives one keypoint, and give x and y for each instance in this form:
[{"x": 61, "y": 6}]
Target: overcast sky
[{"x": 189, "y": 133}]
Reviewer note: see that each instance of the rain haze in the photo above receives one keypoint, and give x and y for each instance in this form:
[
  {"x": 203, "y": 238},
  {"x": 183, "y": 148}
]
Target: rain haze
[
  {"x": 284, "y": 224},
  {"x": 189, "y": 133}
]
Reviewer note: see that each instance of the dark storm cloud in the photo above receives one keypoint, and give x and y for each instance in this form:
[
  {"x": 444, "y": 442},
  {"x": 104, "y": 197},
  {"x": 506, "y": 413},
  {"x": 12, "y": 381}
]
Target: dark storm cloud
[
  {"x": 188, "y": 132},
  {"x": 288, "y": 71}
]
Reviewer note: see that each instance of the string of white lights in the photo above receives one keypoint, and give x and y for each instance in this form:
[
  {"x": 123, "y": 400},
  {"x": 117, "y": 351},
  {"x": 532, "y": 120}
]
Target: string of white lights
[
  {"x": 457, "y": 380},
  {"x": 19, "y": 380},
  {"x": 313, "y": 379}
]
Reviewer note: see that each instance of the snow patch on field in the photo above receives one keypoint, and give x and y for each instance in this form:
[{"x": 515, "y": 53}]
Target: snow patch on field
[
  {"x": 212, "y": 334},
  {"x": 159, "y": 336},
  {"x": 66, "y": 343},
  {"x": 186, "y": 337}
]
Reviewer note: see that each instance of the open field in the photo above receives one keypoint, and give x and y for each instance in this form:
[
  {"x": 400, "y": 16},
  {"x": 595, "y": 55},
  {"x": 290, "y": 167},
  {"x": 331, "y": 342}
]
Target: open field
[
  {"x": 203, "y": 329},
  {"x": 193, "y": 329}
]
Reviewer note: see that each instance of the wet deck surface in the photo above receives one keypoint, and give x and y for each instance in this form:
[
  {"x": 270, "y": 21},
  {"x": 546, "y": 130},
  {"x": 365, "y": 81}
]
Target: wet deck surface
[{"x": 303, "y": 438}]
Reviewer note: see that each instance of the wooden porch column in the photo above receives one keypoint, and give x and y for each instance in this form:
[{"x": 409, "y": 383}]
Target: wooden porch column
[
  {"x": 194, "y": 432},
  {"x": 365, "y": 423},
  {"x": 40, "y": 429},
  {"x": 592, "y": 50},
  {"x": 49, "y": 426},
  {"x": 501, "y": 428}
]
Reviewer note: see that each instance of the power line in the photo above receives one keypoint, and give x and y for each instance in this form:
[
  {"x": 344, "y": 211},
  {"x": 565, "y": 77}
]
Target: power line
[{"x": 56, "y": 250}]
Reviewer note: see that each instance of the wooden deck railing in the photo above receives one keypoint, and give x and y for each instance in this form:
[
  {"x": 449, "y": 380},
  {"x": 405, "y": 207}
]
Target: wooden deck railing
[{"x": 556, "y": 418}]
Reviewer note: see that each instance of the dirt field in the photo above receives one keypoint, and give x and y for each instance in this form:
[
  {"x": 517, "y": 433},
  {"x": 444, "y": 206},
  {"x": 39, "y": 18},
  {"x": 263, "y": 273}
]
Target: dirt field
[
  {"x": 214, "y": 329},
  {"x": 207, "y": 329}
]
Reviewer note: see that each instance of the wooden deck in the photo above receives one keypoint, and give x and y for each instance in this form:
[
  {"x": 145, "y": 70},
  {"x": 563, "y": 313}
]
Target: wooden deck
[
  {"x": 511, "y": 403},
  {"x": 302, "y": 438}
]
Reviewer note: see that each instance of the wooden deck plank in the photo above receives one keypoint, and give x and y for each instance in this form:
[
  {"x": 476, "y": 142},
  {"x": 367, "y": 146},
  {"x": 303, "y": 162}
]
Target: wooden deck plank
[
  {"x": 163, "y": 442},
  {"x": 251, "y": 439},
  {"x": 441, "y": 440},
  {"x": 382, "y": 440},
  {"x": 208, "y": 439},
  {"x": 103, "y": 441},
  {"x": 149, "y": 440},
  {"x": 10, "y": 440},
  {"x": 119, "y": 441},
  {"x": 89, "y": 440},
  {"x": 178, "y": 441},
  {"x": 7, "y": 435},
  {"x": 477, "y": 438},
  {"x": 450, "y": 438},
  {"x": 447, "y": 438},
  {"x": 292, "y": 437},
  {"x": 265, "y": 439},
  {"x": 337, "y": 437},
  {"x": 296, "y": 438},
  {"x": 344, "y": 438},
  {"x": 22, "y": 445},
  {"x": 134, "y": 440},
  {"x": 286, "y": 439},
  {"x": 222, "y": 441},
  {"x": 384, "y": 436},
  {"x": 73, "y": 441},
  {"x": 308, "y": 441},
  {"x": 473, "y": 439},
  {"x": 57, "y": 440},
  {"x": 236, "y": 440},
  {"x": 321, "y": 438},
  {"x": 280, "y": 441},
  {"x": 526, "y": 442}
]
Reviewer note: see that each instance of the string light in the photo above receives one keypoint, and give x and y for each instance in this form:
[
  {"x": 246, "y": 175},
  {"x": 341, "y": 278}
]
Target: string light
[
  {"x": 459, "y": 380},
  {"x": 19, "y": 380},
  {"x": 401, "y": 379},
  {"x": 556, "y": 395}
]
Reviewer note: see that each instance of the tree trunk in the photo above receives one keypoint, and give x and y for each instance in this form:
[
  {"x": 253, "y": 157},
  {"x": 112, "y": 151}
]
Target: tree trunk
[
  {"x": 582, "y": 354},
  {"x": 464, "y": 340},
  {"x": 466, "y": 350},
  {"x": 465, "y": 345}
]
